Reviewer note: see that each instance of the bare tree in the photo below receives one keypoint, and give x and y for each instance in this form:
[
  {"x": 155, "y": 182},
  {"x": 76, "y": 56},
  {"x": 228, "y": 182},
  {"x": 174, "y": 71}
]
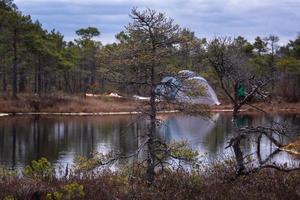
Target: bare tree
[
  {"x": 241, "y": 85},
  {"x": 237, "y": 79},
  {"x": 242, "y": 167}
]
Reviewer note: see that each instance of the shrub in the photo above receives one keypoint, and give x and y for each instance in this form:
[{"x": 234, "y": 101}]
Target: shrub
[
  {"x": 68, "y": 192},
  {"x": 207, "y": 181},
  {"x": 41, "y": 170},
  {"x": 9, "y": 197}
]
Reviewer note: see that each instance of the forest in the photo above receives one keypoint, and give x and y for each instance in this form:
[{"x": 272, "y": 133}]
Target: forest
[{"x": 35, "y": 61}]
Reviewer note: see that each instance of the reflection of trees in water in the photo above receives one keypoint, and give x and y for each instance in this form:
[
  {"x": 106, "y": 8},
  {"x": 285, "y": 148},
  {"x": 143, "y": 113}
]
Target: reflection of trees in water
[
  {"x": 212, "y": 136},
  {"x": 275, "y": 133},
  {"x": 214, "y": 141},
  {"x": 25, "y": 139},
  {"x": 189, "y": 128},
  {"x": 206, "y": 135},
  {"x": 28, "y": 140}
]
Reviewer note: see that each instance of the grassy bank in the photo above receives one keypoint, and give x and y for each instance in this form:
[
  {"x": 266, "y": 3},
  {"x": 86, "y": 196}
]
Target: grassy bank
[
  {"x": 216, "y": 181},
  {"x": 66, "y": 103},
  {"x": 61, "y": 103},
  {"x": 269, "y": 107}
]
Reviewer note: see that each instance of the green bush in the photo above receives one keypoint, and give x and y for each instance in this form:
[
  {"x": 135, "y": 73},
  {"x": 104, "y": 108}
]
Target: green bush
[
  {"x": 7, "y": 173},
  {"x": 9, "y": 197},
  {"x": 68, "y": 192},
  {"x": 41, "y": 170}
]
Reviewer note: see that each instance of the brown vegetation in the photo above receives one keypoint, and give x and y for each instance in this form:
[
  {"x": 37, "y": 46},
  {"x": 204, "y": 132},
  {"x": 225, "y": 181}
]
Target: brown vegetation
[
  {"x": 61, "y": 103},
  {"x": 66, "y": 103},
  {"x": 293, "y": 147},
  {"x": 271, "y": 107},
  {"x": 216, "y": 181}
]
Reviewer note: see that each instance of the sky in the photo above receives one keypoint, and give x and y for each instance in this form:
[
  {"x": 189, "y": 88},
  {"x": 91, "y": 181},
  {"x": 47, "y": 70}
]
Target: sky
[{"x": 207, "y": 18}]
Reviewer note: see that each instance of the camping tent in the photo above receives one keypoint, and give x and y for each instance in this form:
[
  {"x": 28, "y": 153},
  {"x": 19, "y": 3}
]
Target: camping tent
[{"x": 187, "y": 87}]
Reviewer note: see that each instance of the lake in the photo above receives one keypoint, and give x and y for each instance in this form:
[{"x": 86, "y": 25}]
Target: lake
[{"x": 60, "y": 139}]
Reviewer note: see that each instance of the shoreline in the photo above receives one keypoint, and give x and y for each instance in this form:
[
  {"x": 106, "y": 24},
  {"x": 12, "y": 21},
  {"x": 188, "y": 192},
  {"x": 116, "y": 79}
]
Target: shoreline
[
  {"x": 65, "y": 105},
  {"x": 82, "y": 113},
  {"x": 11, "y": 114}
]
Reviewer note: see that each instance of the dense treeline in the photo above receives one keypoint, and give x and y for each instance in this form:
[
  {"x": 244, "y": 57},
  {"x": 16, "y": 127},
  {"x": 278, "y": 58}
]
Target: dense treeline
[{"x": 36, "y": 61}]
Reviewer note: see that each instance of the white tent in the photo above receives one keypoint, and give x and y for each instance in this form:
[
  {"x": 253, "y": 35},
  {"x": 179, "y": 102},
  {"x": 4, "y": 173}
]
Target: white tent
[{"x": 188, "y": 87}]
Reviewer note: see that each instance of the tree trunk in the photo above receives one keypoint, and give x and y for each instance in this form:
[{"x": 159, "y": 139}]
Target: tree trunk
[
  {"x": 236, "y": 108},
  {"x": 22, "y": 82},
  {"x": 15, "y": 62},
  {"x": 238, "y": 155},
  {"x": 35, "y": 79},
  {"x": 93, "y": 76},
  {"x": 151, "y": 135},
  {"x": 68, "y": 85},
  {"x": 4, "y": 82},
  {"x": 39, "y": 77},
  {"x": 80, "y": 82}
]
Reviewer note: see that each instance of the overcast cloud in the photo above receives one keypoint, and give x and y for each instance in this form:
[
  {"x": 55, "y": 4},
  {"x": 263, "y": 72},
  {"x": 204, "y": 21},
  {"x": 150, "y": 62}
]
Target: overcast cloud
[{"x": 207, "y": 18}]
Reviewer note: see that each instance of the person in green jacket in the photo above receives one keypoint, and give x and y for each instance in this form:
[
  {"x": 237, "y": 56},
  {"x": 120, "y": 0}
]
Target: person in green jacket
[{"x": 241, "y": 92}]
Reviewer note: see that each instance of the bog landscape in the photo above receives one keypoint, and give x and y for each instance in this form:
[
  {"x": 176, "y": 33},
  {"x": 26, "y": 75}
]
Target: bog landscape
[{"x": 158, "y": 109}]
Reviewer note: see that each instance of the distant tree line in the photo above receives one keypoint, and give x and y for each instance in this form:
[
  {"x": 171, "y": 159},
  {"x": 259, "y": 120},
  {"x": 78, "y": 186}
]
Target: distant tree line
[{"x": 37, "y": 61}]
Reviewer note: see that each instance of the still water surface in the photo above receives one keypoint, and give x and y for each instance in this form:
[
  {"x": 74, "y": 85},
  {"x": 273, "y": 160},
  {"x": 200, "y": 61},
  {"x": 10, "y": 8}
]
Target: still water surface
[{"x": 60, "y": 139}]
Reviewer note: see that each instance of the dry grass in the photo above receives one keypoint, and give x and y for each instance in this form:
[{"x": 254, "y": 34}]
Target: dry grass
[
  {"x": 76, "y": 103},
  {"x": 293, "y": 147},
  {"x": 66, "y": 103},
  {"x": 215, "y": 182},
  {"x": 272, "y": 107}
]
